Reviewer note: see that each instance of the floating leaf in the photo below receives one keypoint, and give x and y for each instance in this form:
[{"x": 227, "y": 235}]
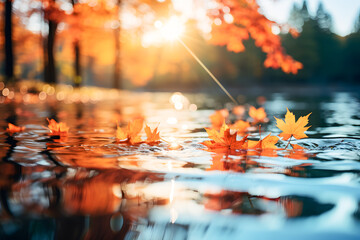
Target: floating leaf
[
  {"x": 240, "y": 126},
  {"x": 267, "y": 143},
  {"x": 291, "y": 127},
  {"x": 130, "y": 133},
  {"x": 57, "y": 129},
  {"x": 152, "y": 136},
  {"x": 217, "y": 119},
  {"x": 13, "y": 128},
  {"x": 223, "y": 139},
  {"x": 259, "y": 115}
]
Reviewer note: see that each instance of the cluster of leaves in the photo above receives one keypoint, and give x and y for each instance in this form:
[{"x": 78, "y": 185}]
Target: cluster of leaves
[
  {"x": 220, "y": 116},
  {"x": 225, "y": 139},
  {"x": 130, "y": 133},
  {"x": 248, "y": 21},
  {"x": 56, "y": 129}
]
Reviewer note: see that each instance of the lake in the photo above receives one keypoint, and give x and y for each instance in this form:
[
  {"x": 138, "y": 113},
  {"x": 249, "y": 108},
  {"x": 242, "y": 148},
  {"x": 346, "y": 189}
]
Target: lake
[{"x": 86, "y": 185}]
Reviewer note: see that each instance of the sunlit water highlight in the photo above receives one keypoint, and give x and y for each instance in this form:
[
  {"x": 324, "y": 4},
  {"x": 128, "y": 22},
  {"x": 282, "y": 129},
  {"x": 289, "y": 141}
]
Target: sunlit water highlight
[{"x": 95, "y": 188}]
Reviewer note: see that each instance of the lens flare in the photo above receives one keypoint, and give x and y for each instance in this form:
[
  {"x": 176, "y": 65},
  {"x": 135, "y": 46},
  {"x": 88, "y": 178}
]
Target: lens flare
[
  {"x": 172, "y": 29},
  {"x": 166, "y": 31}
]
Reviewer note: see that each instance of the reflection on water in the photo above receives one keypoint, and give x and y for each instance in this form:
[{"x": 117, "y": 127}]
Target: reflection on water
[{"x": 87, "y": 186}]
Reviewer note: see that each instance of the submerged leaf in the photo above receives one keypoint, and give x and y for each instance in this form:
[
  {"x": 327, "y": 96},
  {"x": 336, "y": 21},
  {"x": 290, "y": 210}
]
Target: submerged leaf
[{"x": 295, "y": 146}]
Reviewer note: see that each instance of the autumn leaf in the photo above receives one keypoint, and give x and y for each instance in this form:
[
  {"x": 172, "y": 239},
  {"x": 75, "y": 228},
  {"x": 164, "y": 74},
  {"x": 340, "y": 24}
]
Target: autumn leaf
[
  {"x": 267, "y": 143},
  {"x": 223, "y": 139},
  {"x": 238, "y": 110},
  {"x": 130, "y": 133},
  {"x": 259, "y": 115},
  {"x": 290, "y": 127},
  {"x": 299, "y": 154},
  {"x": 240, "y": 126},
  {"x": 57, "y": 129},
  {"x": 295, "y": 146},
  {"x": 13, "y": 128},
  {"x": 217, "y": 119},
  {"x": 152, "y": 136}
]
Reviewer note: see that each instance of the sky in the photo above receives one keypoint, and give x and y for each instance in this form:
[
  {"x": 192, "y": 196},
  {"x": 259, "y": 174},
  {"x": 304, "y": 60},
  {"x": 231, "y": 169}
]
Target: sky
[{"x": 343, "y": 12}]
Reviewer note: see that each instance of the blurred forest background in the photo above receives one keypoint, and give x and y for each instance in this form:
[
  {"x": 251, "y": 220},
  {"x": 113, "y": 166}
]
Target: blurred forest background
[{"x": 106, "y": 51}]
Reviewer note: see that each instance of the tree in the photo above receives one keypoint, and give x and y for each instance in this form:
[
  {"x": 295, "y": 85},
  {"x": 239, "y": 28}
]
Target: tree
[
  {"x": 51, "y": 11},
  {"x": 352, "y": 54},
  {"x": 79, "y": 35},
  {"x": 117, "y": 84},
  {"x": 9, "y": 53},
  {"x": 76, "y": 46},
  {"x": 323, "y": 18},
  {"x": 329, "y": 47},
  {"x": 357, "y": 24}
]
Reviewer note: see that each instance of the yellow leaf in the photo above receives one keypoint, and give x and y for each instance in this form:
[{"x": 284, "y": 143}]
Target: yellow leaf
[
  {"x": 290, "y": 127},
  {"x": 131, "y": 132},
  {"x": 267, "y": 143},
  {"x": 152, "y": 137}
]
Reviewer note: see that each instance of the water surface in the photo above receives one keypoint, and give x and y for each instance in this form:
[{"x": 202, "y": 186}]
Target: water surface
[{"x": 88, "y": 186}]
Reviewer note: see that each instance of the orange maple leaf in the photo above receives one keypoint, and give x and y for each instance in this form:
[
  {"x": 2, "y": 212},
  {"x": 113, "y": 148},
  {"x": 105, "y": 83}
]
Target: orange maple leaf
[
  {"x": 240, "y": 126},
  {"x": 291, "y": 127},
  {"x": 299, "y": 154},
  {"x": 259, "y": 115},
  {"x": 295, "y": 146},
  {"x": 267, "y": 143},
  {"x": 13, "y": 128},
  {"x": 217, "y": 119},
  {"x": 130, "y": 133},
  {"x": 152, "y": 136},
  {"x": 57, "y": 129},
  {"x": 223, "y": 139},
  {"x": 238, "y": 110}
]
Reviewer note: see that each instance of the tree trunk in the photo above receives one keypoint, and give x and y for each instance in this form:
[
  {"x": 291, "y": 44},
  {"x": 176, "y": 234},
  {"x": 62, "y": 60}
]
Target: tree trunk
[
  {"x": 117, "y": 83},
  {"x": 49, "y": 61},
  {"x": 9, "y": 54},
  {"x": 77, "y": 65}
]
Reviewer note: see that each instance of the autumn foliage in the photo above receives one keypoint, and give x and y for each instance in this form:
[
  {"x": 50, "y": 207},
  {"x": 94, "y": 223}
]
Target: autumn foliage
[
  {"x": 131, "y": 133},
  {"x": 249, "y": 22},
  {"x": 13, "y": 128},
  {"x": 292, "y": 128},
  {"x": 57, "y": 129},
  {"x": 91, "y": 25},
  {"x": 259, "y": 115},
  {"x": 225, "y": 139}
]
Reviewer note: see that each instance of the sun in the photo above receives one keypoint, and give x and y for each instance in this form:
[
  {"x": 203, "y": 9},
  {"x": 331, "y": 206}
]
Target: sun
[{"x": 172, "y": 29}]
